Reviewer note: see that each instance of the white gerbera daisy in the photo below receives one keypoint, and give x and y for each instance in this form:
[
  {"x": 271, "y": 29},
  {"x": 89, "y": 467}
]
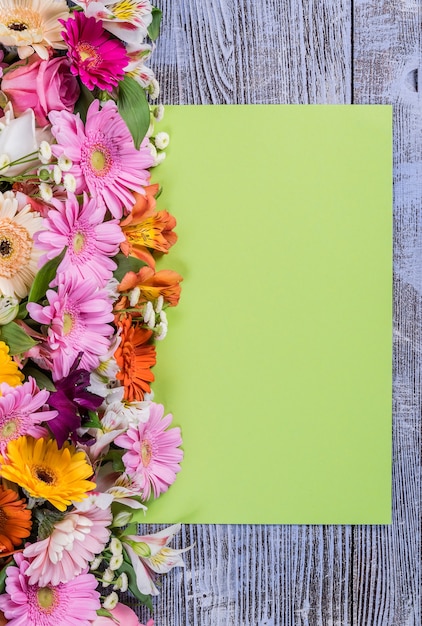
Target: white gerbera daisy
[
  {"x": 32, "y": 25},
  {"x": 18, "y": 256}
]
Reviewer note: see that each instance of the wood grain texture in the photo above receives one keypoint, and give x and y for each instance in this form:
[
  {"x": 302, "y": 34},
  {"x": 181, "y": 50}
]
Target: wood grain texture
[
  {"x": 387, "y": 560},
  {"x": 313, "y": 51}
]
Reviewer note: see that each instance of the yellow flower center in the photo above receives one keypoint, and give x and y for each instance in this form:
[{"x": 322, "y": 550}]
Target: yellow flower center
[
  {"x": 78, "y": 242},
  {"x": 15, "y": 247},
  {"x": 125, "y": 10},
  {"x": 67, "y": 323},
  {"x": 98, "y": 160},
  {"x": 44, "y": 473},
  {"x": 9, "y": 429},
  {"x": 89, "y": 53},
  {"x": 146, "y": 452},
  {"x": 46, "y": 597}
]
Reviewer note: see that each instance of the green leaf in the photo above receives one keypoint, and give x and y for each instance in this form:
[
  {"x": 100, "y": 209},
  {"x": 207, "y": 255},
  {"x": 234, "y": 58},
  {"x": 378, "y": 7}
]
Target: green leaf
[
  {"x": 22, "y": 313},
  {"x": 126, "y": 264},
  {"x": 104, "y": 613},
  {"x": 127, "y": 567},
  {"x": 154, "y": 27},
  {"x": 85, "y": 98},
  {"x": 43, "y": 381},
  {"x": 115, "y": 456},
  {"x": 3, "y": 574},
  {"x": 134, "y": 108},
  {"x": 16, "y": 338},
  {"x": 44, "y": 277},
  {"x": 93, "y": 422}
]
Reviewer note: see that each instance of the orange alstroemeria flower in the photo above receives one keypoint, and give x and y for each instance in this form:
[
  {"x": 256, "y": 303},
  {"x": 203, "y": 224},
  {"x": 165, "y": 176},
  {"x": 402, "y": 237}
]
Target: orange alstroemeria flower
[
  {"x": 135, "y": 357},
  {"x": 146, "y": 229},
  {"x": 153, "y": 284}
]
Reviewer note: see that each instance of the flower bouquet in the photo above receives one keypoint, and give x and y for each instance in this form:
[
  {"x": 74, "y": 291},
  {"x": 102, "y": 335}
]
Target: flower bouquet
[{"x": 83, "y": 446}]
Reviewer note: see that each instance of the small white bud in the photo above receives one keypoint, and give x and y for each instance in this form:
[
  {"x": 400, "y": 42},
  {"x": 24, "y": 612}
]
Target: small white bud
[
  {"x": 44, "y": 174},
  {"x": 69, "y": 182},
  {"x": 159, "y": 159},
  {"x": 159, "y": 304},
  {"x": 162, "y": 140},
  {"x": 108, "y": 577},
  {"x": 95, "y": 564},
  {"x": 163, "y": 317},
  {"x": 116, "y": 546},
  {"x": 150, "y": 130},
  {"x": 46, "y": 192},
  {"x": 110, "y": 602},
  {"x": 154, "y": 89},
  {"x": 45, "y": 152},
  {"x": 116, "y": 561},
  {"x": 159, "y": 112},
  {"x": 64, "y": 163},
  {"x": 153, "y": 150},
  {"x": 57, "y": 174},
  {"x": 122, "y": 583},
  {"x": 134, "y": 296},
  {"x": 161, "y": 329},
  {"x": 149, "y": 313}
]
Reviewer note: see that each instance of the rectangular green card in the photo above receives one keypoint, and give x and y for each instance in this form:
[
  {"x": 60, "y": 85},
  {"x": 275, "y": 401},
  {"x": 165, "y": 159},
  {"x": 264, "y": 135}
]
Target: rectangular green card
[{"x": 277, "y": 363}]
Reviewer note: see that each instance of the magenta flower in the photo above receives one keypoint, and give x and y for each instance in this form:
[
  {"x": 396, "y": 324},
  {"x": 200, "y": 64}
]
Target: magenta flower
[
  {"x": 105, "y": 160},
  {"x": 22, "y": 410},
  {"x": 90, "y": 240},
  {"x": 77, "y": 316},
  {"x": 74, "y": 603},
  {"x": 153, "y": 455},
  {"x": 72, "y": 401},
  {"x": 96, "y": 56}
]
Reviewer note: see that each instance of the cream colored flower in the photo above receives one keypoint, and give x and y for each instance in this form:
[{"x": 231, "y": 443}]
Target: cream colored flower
[
  {"x": 32, "y": 25},
  {"x": 18, "y": 256}
]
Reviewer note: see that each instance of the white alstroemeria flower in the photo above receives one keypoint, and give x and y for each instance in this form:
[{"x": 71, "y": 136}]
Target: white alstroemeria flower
[
  {"x": 150, "y": 554},
  {"x": 128, "y": 21}
]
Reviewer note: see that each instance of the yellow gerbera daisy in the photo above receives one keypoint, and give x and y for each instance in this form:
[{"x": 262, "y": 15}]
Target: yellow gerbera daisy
[
  {"x": 45, "y": 472},
  {"x": 32, "y": 25},
  {"x": 9, "y": 371}
]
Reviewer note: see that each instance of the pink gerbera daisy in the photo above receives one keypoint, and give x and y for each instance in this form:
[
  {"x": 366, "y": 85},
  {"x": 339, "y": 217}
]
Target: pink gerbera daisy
[
  {"x": 22, "y": 410},
  {"x": 90, "y": 240},
  {"x": 96, "y": 57},
  {"x": 73, "y": 543},
  {"x": 153, "y": 455},
  {"x": 103, "y": 155},
  {"x": 77, "y": 317},
  {"x": 48, "y": 605}
]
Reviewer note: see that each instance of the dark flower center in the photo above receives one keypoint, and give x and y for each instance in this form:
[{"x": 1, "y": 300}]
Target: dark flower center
[
  {"x": 5, "y": 247},
  {"x": 19, "y": 26}
]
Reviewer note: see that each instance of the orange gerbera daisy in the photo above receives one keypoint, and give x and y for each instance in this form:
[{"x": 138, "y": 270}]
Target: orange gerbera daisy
[
  {"x": 15, "y": 520},
  {"x": 146, "y": 229},
  {"x": 152, "y": 284},
  {"x": 135, "y": 356}
]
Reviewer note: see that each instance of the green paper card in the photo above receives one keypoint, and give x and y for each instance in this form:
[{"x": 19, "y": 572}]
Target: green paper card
[{"x": 277, "y": 363}]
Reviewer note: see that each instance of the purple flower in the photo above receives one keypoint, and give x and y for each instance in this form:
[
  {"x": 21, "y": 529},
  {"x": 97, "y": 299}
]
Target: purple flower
[{"x": 72, "y": 401}]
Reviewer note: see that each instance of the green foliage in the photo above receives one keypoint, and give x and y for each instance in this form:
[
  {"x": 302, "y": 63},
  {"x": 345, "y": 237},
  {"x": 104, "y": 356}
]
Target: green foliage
[
  {"x": 134, "y": 108},
  {"x": 43, "y": 381},
  {"x": 16, "y": 338},
  {"x": 126, "y": 264},
  {"x": 44, "y": 277},
  {"x": 85, "y": 98},
  {"x": 154, "y": 27},
  {"x": 127, "y": 567}
]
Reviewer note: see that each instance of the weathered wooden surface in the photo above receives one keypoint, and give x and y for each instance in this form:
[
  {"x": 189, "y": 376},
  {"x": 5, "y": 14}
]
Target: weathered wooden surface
[{"x": 313, "y": 51}]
